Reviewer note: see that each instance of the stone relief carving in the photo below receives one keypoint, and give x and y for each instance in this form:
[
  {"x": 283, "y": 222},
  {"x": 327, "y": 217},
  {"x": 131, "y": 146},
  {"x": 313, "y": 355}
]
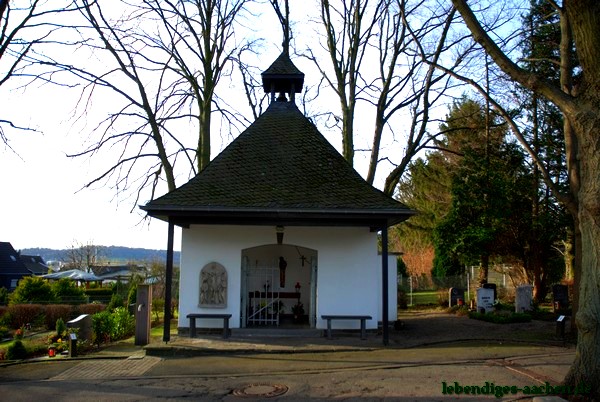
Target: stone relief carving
[{"x": 213, "y": 286}]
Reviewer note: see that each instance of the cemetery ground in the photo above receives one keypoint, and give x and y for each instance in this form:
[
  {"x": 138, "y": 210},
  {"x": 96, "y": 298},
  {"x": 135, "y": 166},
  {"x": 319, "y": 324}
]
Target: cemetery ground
[{"x": 429, "y": 351}]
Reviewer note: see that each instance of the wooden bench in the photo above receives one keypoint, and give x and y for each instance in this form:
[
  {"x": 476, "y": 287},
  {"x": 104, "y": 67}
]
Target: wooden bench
[
  {"x": 225, "y": 317},
  {"x": 362, "y": 318}
]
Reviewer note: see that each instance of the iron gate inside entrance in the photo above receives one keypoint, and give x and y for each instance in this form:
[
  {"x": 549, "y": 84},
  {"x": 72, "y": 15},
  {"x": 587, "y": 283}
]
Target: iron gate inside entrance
[{"x": 263, "y": 303}]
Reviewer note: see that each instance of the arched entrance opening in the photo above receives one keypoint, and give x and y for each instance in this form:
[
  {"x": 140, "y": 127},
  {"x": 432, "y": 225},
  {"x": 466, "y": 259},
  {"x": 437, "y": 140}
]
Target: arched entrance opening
[{"x": 279, "y": 286}]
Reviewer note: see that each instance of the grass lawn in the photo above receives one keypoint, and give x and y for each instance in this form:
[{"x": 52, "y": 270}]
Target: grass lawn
[{"x": 424, "y": 298}]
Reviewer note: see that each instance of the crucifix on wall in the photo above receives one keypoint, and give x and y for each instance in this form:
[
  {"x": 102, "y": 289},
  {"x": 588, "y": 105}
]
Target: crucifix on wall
[{"x": 282, "y": 267}]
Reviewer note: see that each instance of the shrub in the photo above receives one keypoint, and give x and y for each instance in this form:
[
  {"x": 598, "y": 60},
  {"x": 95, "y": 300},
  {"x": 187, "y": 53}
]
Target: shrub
[
  {"x": 174, "y": 305},
  {"x": 158, "y": 306},
  {"x": 16, "y": 351},
  {"x": 123, "y": 324},
  {"x": 402, "y": 299},
  {"x": 21, "y": 314},
  {"x": 501, "y": 318},
  {"x": 116, "y": 301},
  {"x": 132, "y": 292},
  {"x": 54, "y": 312},
  {"x": 100, "y": 295},
  {"x": 67, "y": 291},
  {"x": 3, "y": 296},
  {"x": 4, "y": 331},
  {"x": 61, "y": 327},
  {"x": 101, "y": 327},
  {"x": 458, "y": 310},
  {"x": 32, "y": 289},
  {"x": 113, "y": 326},
  {"x": 4, "y": 316},
  {"x": 91, "y": 308}
]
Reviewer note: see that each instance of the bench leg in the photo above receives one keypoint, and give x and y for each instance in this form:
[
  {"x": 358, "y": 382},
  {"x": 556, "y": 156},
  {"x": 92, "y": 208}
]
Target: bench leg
[
  {"x": 363, "y": 329},
  {"x": 192, "y": 327},
  {"x": 328, "y": 329},
  {"x": 225, "y": 328}
]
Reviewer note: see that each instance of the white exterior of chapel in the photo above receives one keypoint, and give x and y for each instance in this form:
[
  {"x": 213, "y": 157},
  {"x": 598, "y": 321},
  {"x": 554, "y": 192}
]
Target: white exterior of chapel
[
  {"x": 341, "y": 272},
  {"x": 280, "y": 220}
]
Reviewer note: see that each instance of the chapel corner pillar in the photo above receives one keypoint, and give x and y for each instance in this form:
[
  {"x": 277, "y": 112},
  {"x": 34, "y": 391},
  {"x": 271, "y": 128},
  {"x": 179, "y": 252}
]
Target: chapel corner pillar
[
  {"x": 385, "y": 284},
  {"x": 168, "y": 283}
]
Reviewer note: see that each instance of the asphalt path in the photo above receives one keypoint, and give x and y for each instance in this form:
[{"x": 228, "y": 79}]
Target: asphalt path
[{"x": 426, "y": 373}]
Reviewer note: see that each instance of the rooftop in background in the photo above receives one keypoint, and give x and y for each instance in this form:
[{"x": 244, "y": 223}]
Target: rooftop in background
[
  {"x": 35, "y": 264},
  {"x": 12, "y": 268}
]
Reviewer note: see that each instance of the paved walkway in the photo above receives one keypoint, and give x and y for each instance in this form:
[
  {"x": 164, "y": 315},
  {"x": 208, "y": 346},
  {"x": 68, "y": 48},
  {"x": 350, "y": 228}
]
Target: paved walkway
[{"x": 453, "y": 352}]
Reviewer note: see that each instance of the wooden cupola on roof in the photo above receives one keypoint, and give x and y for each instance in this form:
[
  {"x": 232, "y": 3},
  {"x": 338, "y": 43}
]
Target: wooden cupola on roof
[{"x": 283, "y": 77}]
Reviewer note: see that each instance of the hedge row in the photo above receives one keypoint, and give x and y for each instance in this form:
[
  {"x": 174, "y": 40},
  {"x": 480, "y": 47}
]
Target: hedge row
[{"x": 38, "y": 315}]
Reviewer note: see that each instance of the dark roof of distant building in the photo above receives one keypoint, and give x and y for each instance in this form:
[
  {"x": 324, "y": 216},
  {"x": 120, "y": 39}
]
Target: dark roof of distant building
[
  {"x": 10, "y": 262},
  {"x": 104, "y": 270},
  {"x": 35, "y": 264}
]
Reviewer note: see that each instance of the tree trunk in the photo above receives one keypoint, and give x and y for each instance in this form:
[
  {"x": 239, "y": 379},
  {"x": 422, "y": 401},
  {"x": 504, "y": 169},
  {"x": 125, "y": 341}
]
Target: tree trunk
[
  {"x": 203, "y": 151},
  {"x": 586, "y": 367},
  {"x": 537, "y": 266},
  {"x": 348, "y": 133},
  {"x": 379, "y": 125},
  {"x": 582, "y": 109}
]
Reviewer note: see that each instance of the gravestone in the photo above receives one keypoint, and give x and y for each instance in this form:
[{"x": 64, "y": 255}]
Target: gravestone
[
  {"x": 83, "y": 325},
  {"x": 456, "y": 296},
  {"x": 485, "y": 300},
  {"x": 523, "y": 298},
  {"x": 560, "y": 294},
  {"x": 491, "y": 286}
]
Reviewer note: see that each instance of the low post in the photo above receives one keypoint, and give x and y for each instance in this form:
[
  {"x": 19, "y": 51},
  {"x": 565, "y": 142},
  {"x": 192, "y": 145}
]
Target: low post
[
  {"x": 72, "y": 345},
  {"x": 560, "y": 327},
  {"x": 142, "y": 314}
]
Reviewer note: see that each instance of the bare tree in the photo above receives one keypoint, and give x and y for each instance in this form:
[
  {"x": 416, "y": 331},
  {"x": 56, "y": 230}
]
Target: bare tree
[
  {"x": 25, "y": 26},
  {"x": 578, "y": 100},
  {"x": 348, "y": 29},
  {"x": 415, "y": 85},
  {"x": 160, "y": 63},
  {"x": 200, "y": 31},
  {"x": 83, "y": 256},
  {"x": 399, "y": 86}
]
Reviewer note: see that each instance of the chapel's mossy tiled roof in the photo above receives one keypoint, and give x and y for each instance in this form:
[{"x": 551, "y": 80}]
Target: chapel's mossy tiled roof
[
  {"x": 279, "y": 170},
  {"x": 280, "y": 162}
]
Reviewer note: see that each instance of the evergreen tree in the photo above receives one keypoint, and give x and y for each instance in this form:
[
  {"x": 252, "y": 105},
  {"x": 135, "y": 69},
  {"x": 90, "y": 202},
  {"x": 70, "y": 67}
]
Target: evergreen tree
[{"x": 549, "y": 220}]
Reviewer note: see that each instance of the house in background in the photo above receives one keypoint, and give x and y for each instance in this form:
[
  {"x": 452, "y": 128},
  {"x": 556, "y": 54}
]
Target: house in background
[
  {"x": 122, "y": 273},
  {"x": 35, "y": 264},
  {"x": 279, "y": 219},
  {"x": 12, "y": 268}
]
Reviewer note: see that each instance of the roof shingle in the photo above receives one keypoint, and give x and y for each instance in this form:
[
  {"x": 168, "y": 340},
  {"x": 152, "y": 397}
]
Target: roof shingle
[{"x": 280, "y": 162}]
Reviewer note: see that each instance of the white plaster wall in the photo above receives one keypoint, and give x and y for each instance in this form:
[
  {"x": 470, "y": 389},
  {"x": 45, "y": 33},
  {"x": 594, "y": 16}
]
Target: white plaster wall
[{"x": 349, "y": 269}]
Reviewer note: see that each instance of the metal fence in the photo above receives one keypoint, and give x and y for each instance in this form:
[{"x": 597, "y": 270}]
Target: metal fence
[{"x": 425, "y": 289}]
